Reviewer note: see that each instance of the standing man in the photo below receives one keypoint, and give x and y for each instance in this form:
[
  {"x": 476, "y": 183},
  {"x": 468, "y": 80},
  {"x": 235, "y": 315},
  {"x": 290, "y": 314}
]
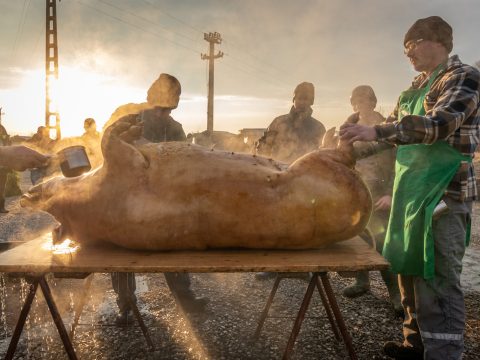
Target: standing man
[
  {"x": 4, "y": 141},
  {"x": 91, "y": 139},
  {"x": 158, "y": 126},
  {"x": 295, "y": 134},
  {"x": 436, "y": 126},
  {"x": 377, "y": 172},
  {"x": 91, "y": 133}
]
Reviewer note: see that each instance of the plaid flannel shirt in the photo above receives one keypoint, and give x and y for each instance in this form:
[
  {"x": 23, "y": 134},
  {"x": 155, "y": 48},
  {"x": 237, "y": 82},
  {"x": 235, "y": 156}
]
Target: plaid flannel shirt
[{"x": 452, "y": 114}]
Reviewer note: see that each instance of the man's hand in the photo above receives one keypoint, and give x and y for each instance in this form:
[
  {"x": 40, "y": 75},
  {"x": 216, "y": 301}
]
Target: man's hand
[
  {"x": 354, "y": 132},
  {"x": 21, "y": 157},
  {"x": 384, "y": 203}
]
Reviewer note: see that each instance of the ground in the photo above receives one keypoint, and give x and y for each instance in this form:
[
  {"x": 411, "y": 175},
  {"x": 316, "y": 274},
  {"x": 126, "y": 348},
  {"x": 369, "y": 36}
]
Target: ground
[{"x": 225, "y": 331}]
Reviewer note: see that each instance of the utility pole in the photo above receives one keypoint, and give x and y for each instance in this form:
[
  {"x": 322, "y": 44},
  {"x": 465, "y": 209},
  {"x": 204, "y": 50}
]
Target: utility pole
[
  {"x": 51, "y": 66},
  {"x": 212, "y": 38},
  {"x": 1, "y": 113}
]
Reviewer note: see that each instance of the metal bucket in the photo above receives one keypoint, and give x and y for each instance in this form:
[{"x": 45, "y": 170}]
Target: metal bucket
[{"x": 74, "y": 161}]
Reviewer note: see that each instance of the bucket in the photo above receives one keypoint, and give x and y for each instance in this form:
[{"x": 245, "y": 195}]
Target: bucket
[{"x": 74, "y": 161}]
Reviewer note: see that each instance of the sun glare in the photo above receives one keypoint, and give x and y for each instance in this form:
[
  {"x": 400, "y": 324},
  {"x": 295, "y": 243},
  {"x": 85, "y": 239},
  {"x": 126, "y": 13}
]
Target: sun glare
[{"x": 77, "y": 94}]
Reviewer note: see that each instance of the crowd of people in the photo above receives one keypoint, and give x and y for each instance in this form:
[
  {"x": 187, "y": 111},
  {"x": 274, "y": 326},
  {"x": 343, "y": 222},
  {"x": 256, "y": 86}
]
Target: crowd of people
[{"x": 418, "y": 156}]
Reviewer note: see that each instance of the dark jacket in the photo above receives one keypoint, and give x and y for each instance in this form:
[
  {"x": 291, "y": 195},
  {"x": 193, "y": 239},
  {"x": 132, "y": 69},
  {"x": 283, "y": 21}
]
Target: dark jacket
[
  {"x": 161, "y": 128},
  {"x": 291, "y": 136}
]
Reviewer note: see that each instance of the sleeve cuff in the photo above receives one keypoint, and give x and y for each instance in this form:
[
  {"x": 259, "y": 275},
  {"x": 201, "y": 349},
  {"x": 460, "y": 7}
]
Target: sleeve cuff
[{"x": 385, "y": 131}]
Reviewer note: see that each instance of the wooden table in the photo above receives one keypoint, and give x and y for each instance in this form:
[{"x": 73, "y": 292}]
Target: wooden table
[{"x": 35, "y": 258}]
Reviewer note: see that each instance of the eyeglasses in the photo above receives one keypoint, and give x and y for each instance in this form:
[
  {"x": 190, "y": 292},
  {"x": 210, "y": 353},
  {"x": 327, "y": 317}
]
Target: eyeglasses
[{"x": 411, "y": 45}]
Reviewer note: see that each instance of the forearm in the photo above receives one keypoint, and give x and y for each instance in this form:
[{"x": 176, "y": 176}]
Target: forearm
[
  {"x": 448, "y": 106},
  {"x": 362, "y": 150}
]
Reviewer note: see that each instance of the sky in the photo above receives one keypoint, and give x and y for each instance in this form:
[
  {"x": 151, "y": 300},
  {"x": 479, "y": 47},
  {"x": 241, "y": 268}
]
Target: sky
[{"x": 110, "y": 51}]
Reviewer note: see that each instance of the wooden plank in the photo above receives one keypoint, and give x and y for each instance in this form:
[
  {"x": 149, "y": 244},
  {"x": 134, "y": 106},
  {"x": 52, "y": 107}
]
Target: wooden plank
[{"x": 36, "y": 256}]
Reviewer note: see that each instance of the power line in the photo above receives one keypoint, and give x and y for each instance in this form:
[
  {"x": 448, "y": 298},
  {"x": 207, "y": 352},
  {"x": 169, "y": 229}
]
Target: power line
[
  {"x": 156, "y": 34},
  {"x": 21, "y": 23},
  {"x": 269, "y": 65},
  {"x": 138, "y": 27},
  {"x": 146, "y": 20},
  {"x": 174, "y": 18},
  {"x": 255, "y": 75}
]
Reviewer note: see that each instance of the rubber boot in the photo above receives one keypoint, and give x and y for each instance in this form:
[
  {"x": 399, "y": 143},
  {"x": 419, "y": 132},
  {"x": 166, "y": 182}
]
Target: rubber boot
[
  {"x": 2, "y": 206},
  {"x": 391, "y": 281},
  {"x": 397, "y": 350},
  {"x": 360, "y": 287}
]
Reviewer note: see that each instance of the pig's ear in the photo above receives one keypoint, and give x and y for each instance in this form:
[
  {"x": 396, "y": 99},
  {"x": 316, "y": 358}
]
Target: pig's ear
[{"x": 117, "y": 144}]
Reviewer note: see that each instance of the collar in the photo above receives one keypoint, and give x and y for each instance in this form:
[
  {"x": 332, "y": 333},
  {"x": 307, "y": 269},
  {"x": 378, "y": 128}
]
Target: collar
[
  {"x": 306, "y": 114},
  {"x": 452, "y": 62}
]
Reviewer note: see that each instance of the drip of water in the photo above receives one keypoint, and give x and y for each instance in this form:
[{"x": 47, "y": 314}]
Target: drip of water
[
  {"x": 24, "y": 288},
  {"x": 93, "y": 322},
  {"x": 71, "y": 304},
  {"x": 3, "y": 304}
]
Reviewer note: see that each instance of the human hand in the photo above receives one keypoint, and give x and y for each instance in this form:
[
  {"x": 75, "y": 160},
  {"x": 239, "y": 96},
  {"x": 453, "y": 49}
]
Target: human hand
[
  {"x": 384, "y": 203},
  {"x": 353, "y": 119},
  {"x": 20, "y": 158},
  {"x": 354, "y": 132}
]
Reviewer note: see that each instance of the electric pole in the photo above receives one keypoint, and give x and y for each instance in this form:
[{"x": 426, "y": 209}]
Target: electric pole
[
  {"x": 51, "y": 66},
  {"x": 212, "y": 38}
]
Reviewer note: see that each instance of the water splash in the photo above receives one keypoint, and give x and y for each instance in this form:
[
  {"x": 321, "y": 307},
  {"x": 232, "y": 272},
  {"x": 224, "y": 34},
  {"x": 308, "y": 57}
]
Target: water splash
[
  {"x": 24, "y": 290},
  {"x": 3, "y": 305}
]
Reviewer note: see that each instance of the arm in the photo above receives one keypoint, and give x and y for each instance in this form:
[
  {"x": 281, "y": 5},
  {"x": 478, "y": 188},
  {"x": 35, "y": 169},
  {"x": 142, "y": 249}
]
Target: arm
[
  {"x": 362, "y": 150},
  {"x": 366, "y": 148},
  {"x": 21, "y": 157},
  {"x": 458, "y": 100}
]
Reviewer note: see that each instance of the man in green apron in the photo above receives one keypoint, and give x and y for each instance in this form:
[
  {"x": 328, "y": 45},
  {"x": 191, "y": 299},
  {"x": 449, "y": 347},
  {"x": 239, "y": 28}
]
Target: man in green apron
[{"x": 436, "y": 127}]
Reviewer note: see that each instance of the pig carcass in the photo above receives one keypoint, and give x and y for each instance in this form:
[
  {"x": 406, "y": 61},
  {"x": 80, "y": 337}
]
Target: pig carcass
[{"x": 175, "y": 195}]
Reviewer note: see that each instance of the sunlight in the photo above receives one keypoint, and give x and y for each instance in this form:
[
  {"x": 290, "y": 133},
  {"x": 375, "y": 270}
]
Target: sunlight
[
  {"x": 66, "y": 247},
  {"x": 76, "y": 95}
]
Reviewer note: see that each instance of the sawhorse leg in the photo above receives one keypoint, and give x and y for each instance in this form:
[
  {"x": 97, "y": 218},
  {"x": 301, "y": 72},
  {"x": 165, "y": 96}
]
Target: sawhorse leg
[
  {"x": 264, "y": 315},
  {"x": 331, "y": 307},
  {"x": 67, "y": 344},
  {"x": 315, "y": 281},
  {"x": 338, "y": 316},
  {"x": 265, "y": 311}
]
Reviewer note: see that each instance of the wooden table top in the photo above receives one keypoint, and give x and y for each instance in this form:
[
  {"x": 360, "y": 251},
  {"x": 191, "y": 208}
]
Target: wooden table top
[{"x": 37, "y": 256}]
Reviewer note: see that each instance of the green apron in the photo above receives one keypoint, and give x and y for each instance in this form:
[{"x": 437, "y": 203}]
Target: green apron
[{"x": 422, "y": 174}]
